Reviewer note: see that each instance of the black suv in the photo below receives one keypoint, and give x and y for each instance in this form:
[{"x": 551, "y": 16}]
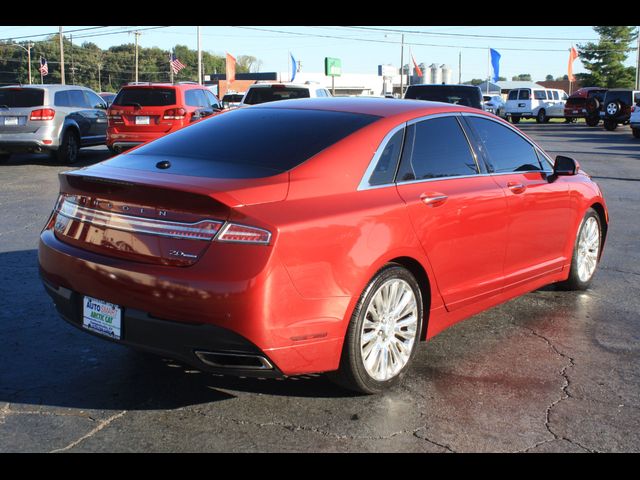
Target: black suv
[
  {"x": 616, "y": 107},
  {"x": 466, "y": 95}
]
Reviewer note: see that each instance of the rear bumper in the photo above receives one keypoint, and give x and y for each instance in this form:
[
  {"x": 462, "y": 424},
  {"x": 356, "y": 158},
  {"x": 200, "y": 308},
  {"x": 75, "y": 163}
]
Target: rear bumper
[
  {"x": 206, "y": 347},
  {"x": 30, "y": 141},
  {"x": 253, "y": 301},
  {"x": 117, "y": 138}
]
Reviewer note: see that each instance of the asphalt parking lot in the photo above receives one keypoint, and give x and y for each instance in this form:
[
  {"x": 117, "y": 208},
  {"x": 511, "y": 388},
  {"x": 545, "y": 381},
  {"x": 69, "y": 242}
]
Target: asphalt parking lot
[{"x": 552, "y": 371}]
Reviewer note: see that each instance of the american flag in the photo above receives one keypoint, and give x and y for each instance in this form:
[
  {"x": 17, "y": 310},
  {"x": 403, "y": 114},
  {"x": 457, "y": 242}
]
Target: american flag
[
  {"x": 44, "y": 68},
  {"x": 176, "y": 65}
]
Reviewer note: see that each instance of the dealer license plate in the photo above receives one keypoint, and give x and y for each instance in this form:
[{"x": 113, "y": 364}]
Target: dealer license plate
[
  {"x": 11, "y": 120},
  {"x": 141, "y": 120},
  {"x": 102, "y": 317}
]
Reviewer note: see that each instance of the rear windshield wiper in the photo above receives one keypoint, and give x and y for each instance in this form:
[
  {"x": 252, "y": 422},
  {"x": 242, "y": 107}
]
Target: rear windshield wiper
[
  {"x": 132, "y": 104},
  {"x": 4, "y": 106}
]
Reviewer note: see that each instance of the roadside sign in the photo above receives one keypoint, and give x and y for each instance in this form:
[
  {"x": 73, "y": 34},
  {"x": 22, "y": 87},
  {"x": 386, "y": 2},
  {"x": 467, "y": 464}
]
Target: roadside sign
[{"x": 332, "y": 67}]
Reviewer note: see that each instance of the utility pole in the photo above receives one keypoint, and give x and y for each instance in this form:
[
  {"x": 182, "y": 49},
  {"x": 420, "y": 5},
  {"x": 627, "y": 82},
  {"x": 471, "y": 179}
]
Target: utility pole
[
  {"x": 99, "y": 78},
  {"x": 61, "y": 58},
  {"x": 402, "y": 67},
  {"x": 137, "y": 34},
  {"x": 460, "y": 67},
  {"x": 638, "y": 61},
  {"x": 73, "y": 65},
  {"x": 199, "y": 58}
]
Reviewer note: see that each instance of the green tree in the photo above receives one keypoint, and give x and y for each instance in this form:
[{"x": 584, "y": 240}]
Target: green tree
[
  {"x": 605, "y": 60},
  {"x": 475, "y": 81},
  {"x": 247, "y": 63},
  {"x": 549, "y": 78},
  {"x": 522, "y": 77}
]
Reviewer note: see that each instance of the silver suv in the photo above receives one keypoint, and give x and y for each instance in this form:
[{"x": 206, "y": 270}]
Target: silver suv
[{"x": 51, "y": 118}]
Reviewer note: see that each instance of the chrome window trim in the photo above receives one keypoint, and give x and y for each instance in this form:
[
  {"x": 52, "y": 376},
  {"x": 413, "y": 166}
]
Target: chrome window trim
[
  {"x": 364, "y": 182},
  {"x": 374, "y": 161}
]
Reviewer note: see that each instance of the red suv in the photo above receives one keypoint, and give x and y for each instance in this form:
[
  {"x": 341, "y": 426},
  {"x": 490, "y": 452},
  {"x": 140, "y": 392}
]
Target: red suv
[
  {"x": 585, "y": 103},
  {"x": 145, "y": 111}
]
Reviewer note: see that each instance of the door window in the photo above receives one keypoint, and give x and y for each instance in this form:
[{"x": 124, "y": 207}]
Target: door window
[
  {"x": 436, "y": 148},
  {"x": 506, "y": 150}
]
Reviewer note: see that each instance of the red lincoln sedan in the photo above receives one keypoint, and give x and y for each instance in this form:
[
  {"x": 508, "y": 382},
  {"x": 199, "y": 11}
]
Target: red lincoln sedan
[{"x": 316, "y": 235}]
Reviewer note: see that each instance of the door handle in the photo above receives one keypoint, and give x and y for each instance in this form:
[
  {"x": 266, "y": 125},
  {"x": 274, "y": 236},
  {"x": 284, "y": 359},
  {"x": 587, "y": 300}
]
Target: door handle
[
  {"x": 516, "y": 187},
  {"x": 433, "y": 199}
]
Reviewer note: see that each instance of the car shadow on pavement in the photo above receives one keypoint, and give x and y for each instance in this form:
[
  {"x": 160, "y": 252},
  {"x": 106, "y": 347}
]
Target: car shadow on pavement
[
  {"x": 46, "y": 361},
  {"x": 86, "y": 157}
]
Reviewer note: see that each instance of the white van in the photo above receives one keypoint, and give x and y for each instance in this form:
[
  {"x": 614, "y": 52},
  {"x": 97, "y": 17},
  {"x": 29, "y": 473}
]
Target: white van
[{"x": 539, "y": 103}]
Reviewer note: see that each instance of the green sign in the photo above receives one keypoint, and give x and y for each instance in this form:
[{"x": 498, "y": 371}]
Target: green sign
[{"x": 332, "y": 67}]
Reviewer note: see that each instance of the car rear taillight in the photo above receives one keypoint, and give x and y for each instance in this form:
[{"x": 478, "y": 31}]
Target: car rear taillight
[
  {"x": 115, "y": 117},
  {"x": 43, "y": 114},
  {"x": 235, "y": 233},
  {"x": 174, "y": 114}
]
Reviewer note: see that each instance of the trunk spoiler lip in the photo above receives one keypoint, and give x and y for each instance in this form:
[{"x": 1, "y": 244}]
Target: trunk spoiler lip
[{"x": 226, "y": 191}]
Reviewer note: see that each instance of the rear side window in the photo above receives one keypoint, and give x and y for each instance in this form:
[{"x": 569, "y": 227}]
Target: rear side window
[
  {"x": 195, "y": 98},
  {"x": 436, "y": 148},
  {"x": 146, "y": 97},
  {"x": 272, "y": 94},
  {"x": 540, "y": 95},
  {"x": 506, "y": 150},
  {"x": 21, "y": 97},
  {"x": 258, "y": 142},
  {"x": 77, "y": 99},
  {"x": 524, "y": 95},
  {"x": 385, "y": 169},
  {"x": 61, "y": 99},
  {"x": 556, "y": 96}
]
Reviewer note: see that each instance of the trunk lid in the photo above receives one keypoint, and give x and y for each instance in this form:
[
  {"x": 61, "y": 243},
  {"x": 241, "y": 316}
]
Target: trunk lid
[{"x": 151, "y": 217}]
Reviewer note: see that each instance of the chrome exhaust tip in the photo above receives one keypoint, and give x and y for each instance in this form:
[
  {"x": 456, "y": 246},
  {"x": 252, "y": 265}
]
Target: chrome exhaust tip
[{"x": 240, "y": 361}]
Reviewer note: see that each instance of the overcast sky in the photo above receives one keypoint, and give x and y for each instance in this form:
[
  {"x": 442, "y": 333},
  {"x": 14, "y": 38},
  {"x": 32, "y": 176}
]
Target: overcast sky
[{"x": 535, "y": 50}]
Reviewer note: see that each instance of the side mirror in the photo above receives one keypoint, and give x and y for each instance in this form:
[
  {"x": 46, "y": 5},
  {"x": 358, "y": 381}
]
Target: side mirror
[{"x": 564, "y": 166}]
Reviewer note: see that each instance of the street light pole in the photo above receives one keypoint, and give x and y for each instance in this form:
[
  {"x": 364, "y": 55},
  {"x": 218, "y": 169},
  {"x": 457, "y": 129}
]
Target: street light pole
[
  {"x": 199, "y": 58},
  {"x": 137, "y": 34}
]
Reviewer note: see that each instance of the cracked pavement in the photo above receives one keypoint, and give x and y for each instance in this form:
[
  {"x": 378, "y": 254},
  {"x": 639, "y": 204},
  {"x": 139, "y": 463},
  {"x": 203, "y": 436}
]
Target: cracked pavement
[{"x": 551, "y": 371}]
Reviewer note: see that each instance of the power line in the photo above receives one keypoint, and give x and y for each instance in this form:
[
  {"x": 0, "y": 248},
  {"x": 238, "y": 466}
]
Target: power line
[
  {"x": 469, "y": 35},
  {"x": 417, "y": 44},
  {"x": 50, "y": 33}
]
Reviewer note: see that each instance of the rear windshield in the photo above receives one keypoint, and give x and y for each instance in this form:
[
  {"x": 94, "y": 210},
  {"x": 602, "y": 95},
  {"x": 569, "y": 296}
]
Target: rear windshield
[
  {"x": 271, "y": 94},
  {"x": 21, "y": 97},
  {"x": 246, "y": 143},
  {"x": 468, "y": 97},
  {"x": 232, "y": 97},
  {"x": 146, "y": 97}
]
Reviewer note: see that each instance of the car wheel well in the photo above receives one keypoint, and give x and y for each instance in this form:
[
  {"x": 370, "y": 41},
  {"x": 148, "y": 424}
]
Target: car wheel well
[
  {"x": 418, "y": 271},
  {"x": 71, "y": 128},
  {"x": 603, "y": 222}
]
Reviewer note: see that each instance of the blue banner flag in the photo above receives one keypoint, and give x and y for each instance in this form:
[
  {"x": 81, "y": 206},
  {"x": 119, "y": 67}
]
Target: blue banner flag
[
  {"x": 294, "y": 67},
  {"x": 495, "y": 63}
]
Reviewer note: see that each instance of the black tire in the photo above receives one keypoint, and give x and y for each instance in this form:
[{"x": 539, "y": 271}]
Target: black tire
[
  {"x": 570, "y": 120},
  {"x": 4, "y": 157},
  {"x": 610, "y": 124},
  {"x": 574, "y": 282},
  {"x": 592, "y": 121},
  {"x": 592, "y": 105},
  {"x": 352, "y": 373},
  {"x": 515, "y": 118},
  {"x": 541, "y": 117},
  {"x": 67, "y": 152},
  {"x": 112, "y": 150},
  {"x": 635, "y": 132}
]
